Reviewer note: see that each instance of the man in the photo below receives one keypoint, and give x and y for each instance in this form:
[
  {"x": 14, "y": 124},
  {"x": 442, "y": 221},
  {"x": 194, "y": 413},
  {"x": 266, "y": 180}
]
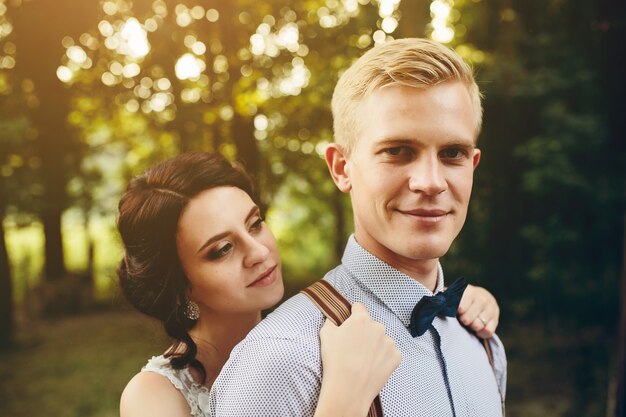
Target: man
[{"x": 406, "y": 117}]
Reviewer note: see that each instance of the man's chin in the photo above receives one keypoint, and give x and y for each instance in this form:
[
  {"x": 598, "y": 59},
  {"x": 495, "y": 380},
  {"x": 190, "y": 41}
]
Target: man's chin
[{"x": 424, "y": 252}]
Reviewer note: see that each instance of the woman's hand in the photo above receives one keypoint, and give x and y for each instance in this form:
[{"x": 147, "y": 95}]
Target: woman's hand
[
  {"x": 357, "y": 360},
  {"x": 479, "y": 311}
]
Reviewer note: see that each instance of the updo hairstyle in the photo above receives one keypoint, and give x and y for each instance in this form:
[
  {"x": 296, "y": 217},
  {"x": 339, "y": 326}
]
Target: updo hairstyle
[{"x": 150, "y": 274}]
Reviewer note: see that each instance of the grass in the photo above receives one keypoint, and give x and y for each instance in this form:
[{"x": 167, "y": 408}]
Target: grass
[
  {"x": 75, "y": 366},
  {"x": 559, "y": 372},
  {"x": 78, "y": 366}
]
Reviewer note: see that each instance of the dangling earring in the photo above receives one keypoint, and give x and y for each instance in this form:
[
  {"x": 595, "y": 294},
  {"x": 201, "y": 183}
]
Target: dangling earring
[{"x": 192, "y": 311}]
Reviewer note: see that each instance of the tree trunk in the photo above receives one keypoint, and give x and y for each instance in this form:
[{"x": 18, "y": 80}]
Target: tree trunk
[
  {"x": 613, "y": 26},
  {"x": 247, "y": 150},
  {"x": 54, "y": 148},
  {"x": 45, "y": 23},
  {"x": 620, "y": 406},
  {"x": 6, "y": 290},
  {"x": 340, "y": 223},
  {"x": 414, "y": 16},
  {"x": 54, "y": 266}
]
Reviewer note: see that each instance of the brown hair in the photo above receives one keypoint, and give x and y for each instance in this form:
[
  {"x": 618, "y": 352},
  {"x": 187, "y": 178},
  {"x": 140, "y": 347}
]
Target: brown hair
[
  {"x": 150, "y": 274},
  {"x": 413, "y": 62}
]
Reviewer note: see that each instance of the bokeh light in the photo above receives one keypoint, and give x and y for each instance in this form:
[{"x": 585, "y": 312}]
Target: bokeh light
[
  {"x": 294, "y": 80},
  {"x": 136, "y": 40},
  {"x": 76, "y": 54},
  {"x": 64, "y": 74},
  {"x": 191, "y": 95},
  {"x": 163, "y": 84},
  {"x": 159, "y": 7},
  {"x": 288, "y": 37},
  {"x": 7, "y": 62},
  {"x": 261, "y": 122},
  {"x": 379, "y": 36},
  {"x": 5, "y": 29},
  {"x": 212, "y": 15},
  {"x": 189, "y": 67},
  {"x": 351, "y": 5},
  {"x": 440, "y": 11},
  {"x": 389, "y": 24}
]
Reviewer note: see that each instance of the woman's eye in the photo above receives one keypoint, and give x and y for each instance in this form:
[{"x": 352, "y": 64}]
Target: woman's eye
[
  {"x": 257, "y": 224},
  {"x": 221, "y": 251}
]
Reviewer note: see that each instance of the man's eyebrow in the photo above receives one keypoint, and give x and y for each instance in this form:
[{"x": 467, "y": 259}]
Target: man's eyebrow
[
  {"x": 458, "y": 143},
  {"x": 395, "y": 142},
  {"x": 398, "y": 141},
  {"x": 222, "y": 235}
]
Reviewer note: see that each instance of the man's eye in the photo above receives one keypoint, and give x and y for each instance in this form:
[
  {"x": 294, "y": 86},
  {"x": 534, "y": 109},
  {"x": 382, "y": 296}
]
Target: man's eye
[
  {"x": 398, "y": 151},
  {"x": 453, "y": 153},
  {"x": 221, "y": 251}
]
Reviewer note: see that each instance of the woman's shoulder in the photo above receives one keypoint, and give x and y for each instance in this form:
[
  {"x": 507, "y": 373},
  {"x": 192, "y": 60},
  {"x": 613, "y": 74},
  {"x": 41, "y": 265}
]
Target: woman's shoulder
[
  {"x": 152, "y": 394},
  {"x": 160, "y": 390}
]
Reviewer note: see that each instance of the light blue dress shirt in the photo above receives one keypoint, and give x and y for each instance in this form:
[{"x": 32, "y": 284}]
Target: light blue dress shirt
[{"x": 276, "y": 369}]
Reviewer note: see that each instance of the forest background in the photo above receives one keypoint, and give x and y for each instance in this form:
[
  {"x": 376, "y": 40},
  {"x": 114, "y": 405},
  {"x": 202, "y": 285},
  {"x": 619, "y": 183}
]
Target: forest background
[{"x": 94, "y": 92}]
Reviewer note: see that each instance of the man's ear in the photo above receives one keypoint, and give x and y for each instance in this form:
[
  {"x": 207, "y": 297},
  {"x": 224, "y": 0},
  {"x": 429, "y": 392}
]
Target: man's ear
[
  {"x": 338, "y": 165},
  {"x": 476, "y": 157}
]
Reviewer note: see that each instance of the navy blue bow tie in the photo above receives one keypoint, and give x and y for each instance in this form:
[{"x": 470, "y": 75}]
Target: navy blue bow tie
[{"x": 442, "y": 304}]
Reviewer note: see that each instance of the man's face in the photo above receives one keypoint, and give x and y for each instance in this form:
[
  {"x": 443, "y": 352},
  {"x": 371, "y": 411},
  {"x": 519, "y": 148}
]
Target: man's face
[{"x": 411, "y": 170}]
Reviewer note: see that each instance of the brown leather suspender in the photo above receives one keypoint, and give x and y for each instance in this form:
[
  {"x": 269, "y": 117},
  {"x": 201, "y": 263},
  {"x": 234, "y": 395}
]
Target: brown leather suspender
[{"x": 337, "y": 309}]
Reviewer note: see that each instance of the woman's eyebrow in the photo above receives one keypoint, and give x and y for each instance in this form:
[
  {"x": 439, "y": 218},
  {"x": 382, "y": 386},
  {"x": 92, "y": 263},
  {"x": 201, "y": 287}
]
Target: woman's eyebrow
[
  {"x": 222, "y": 235},
  {"x": 213, "y": 239}
]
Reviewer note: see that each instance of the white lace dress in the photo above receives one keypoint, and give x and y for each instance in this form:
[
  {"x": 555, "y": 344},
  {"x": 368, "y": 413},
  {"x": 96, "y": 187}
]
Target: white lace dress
[{"x": 197, "y": 395}]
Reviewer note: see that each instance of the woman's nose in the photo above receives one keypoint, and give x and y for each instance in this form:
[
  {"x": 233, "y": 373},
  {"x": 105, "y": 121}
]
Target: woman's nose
[{"x": 256, "y": 252}]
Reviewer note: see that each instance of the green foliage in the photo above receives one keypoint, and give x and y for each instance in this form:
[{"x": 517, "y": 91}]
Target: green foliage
[
  {"x": 549, "y": 185},
  {"x": 300, "y": 209},
  {"x": 19, "y": 168},
  {"x": 544, "y": 229},
  {"x": 25, "y": 247},
  {"x": 134, "y": 108},
  {"x": 545, "y": 225},
  {"x": 125, "y": 99}
]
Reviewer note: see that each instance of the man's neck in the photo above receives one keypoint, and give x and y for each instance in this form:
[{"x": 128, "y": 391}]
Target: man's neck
[{"x": 424, "y": 271}]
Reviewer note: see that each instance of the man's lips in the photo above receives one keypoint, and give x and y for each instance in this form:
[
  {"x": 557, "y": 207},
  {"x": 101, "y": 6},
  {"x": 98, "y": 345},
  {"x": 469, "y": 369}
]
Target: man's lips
[
  {"x": 425, "y": 212},
  {"x": 266, "y": 278},
  {"x": 430, "y": 216}
]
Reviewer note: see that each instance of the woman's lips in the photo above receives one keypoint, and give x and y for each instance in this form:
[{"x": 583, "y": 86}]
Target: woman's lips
[{"x": 266, "y": 278}]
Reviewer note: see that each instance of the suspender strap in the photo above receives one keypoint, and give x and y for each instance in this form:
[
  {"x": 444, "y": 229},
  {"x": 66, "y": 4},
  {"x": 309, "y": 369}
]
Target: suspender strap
[
  {"x": 337, "y": 309},
  {"x": 487, "y": 347},
  {"x": 334, "y": 306}
]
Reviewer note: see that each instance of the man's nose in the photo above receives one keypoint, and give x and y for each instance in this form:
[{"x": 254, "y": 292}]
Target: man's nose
[{"x": 428, "y": 176}]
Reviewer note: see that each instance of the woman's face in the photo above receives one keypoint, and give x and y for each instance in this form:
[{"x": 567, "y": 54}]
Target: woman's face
[{"x": 228, "y": 253}]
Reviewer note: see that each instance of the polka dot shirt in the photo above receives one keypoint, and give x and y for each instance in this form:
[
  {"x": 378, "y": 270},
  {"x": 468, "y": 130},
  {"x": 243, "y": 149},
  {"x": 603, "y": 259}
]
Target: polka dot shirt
[{"x": 276, "y": 369}]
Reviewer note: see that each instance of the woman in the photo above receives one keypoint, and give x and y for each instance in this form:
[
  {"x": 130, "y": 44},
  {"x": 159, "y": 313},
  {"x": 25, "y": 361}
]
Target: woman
[{"x": 199, "y": 258}]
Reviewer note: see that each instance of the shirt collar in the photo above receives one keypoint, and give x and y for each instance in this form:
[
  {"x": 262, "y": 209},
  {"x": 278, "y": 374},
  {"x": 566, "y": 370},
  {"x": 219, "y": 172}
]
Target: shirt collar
[{"x": 396, "y": 290}]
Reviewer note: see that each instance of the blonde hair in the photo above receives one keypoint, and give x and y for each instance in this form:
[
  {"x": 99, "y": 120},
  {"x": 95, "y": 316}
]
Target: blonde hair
[{"x": 413, "y": 62}]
